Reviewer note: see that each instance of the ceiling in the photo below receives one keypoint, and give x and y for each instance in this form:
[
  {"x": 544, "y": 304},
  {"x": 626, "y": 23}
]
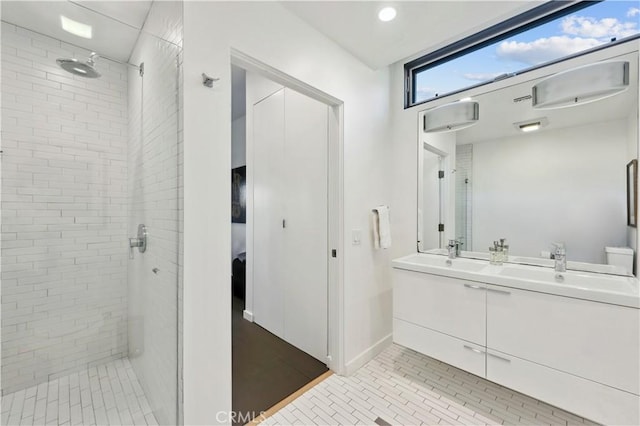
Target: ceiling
[
  {"x": 419, "y": 27},
  {"x": 116, "y": 24}
]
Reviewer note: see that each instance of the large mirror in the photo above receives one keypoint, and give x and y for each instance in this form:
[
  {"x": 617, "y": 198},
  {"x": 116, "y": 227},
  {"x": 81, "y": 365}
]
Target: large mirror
[{"x": 565, "y": 182}]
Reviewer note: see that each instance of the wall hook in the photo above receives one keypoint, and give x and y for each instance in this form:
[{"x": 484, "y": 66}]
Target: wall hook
[{"x": 208, "y": 81}]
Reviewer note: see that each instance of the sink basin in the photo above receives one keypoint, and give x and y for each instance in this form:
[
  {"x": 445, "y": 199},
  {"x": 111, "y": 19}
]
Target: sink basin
[
  {"x": 597, "y": 287},
  {"x": 463, "y": 264},
  {"x": 438, "y": 261},
  {"x": 585, "y": 281}
]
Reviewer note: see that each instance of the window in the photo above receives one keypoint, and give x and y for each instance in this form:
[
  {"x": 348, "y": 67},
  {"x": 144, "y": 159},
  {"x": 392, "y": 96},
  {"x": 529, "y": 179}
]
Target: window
[{"x": 545, "y": 34}]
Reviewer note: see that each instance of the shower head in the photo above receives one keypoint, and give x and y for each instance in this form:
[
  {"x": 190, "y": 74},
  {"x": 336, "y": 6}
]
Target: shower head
[{"x": 82, "y": 69}]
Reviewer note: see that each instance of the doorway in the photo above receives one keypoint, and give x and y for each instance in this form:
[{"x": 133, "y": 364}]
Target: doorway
[{"x": 280, "y": 313}]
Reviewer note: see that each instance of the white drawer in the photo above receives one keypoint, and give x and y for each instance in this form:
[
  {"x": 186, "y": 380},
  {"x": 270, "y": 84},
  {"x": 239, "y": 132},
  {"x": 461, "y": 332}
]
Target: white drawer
[
  {"x": 596, "y": 341},
  {"x": 583, "y": 397},
  {"x": 459, "y": 353},
  {"x": 448, "y": 305}
]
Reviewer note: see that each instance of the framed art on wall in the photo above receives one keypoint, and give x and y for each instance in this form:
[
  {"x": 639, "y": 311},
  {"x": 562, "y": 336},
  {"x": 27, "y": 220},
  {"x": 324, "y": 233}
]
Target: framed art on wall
[{"x": 239, "y": 195}]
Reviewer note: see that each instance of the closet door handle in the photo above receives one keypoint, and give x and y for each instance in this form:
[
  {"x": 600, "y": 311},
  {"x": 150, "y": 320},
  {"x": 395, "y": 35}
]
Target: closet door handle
[
  {"x": 498, "y": 291},
  {"x": 475, "y": 287},
  {"x": 478, "y": 351},
  {"x": 499, "y": 357}
]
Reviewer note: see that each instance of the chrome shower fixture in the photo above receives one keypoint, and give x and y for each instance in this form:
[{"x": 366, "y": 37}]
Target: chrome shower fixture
[{"x": 82, "y": 69}]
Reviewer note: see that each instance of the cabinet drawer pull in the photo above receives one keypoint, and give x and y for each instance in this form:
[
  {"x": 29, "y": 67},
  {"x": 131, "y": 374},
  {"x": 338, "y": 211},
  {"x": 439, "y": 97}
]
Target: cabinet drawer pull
[
  {"x": 477, "y": 287},
  {"x": 498, "y": 291},
  {"x": 478, "y": 351},
  {"x": 499, "y": 357}
]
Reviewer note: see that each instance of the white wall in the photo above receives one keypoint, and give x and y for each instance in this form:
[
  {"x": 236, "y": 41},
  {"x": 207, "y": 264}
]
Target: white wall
[
  {"x": 534, "y": 180},
  {"x": 404, "y": 163},
  {"x": 444, "y": 145},
  {"x": 430, "y": 214},
  {"x": 153, "y": 201},
  {"x": 64, "y": 209},
  {"x": 269, "y": 33}
]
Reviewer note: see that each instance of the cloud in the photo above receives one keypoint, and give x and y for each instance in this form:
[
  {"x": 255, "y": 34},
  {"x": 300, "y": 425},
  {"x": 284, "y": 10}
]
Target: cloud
[
  {"x": 544, "y": 49},
  {"x": 634, "y": 11},
  {"x": 584, "y": 26},
  {"x": 425, "y": 93},
  {"x": 487, "y": 76}
]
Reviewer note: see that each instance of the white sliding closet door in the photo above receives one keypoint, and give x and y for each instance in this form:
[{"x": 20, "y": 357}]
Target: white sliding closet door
[
  {"x": 290, "y": 219},
  {"x": 305, "y": 242},
  {"x": 268, "y": 185}
]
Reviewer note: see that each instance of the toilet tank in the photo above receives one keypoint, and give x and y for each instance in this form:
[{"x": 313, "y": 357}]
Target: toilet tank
[{"x": 620, "y": 256}]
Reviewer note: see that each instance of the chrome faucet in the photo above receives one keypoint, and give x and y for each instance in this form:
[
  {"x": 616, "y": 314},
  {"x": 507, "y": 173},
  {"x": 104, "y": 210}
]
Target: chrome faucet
[
  {"x": 560, "y": 257},
  {"x": 453, "y": 248}
]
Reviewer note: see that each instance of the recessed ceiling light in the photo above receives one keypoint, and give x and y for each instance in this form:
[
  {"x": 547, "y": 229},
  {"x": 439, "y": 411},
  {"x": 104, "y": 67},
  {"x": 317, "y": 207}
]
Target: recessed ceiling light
[
  {"x": 387, "y": 14},
  {"x": 75, "y": 28}
]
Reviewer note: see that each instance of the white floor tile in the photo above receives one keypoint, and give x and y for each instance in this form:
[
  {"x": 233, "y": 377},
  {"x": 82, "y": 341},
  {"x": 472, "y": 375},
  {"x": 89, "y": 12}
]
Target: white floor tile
[
  {"x": 103, "y": 395},
  {"x": 403, "y": 387}
]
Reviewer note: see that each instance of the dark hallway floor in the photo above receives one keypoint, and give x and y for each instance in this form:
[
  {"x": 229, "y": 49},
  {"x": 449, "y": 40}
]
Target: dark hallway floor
[{"x": 266, "y": 369}]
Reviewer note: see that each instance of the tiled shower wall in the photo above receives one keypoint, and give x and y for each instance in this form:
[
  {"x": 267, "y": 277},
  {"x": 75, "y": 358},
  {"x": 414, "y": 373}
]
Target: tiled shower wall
[
  {"x": 154, "y": 185},
  {"x": 64, "y": 207},
  {"x": 464, "y": 182}
]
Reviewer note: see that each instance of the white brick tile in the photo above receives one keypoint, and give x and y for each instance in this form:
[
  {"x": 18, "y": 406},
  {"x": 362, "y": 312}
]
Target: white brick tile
[
  {"x": 39, "y": 97},
  {"x": 77, "y": 125},
  {"x": 54, "y": 396},
  {"x": 345, "y": 411},
  {"x": 302, "y": 418},
  {"x": 428, "y": 399}
]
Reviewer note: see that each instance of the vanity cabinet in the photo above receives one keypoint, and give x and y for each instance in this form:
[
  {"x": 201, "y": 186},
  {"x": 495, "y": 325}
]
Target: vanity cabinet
[
  {"x": 580, "y": 355},
  {"x": 583, "y": 397},
  {"x": 441, "y": 317},
  {"x": 453, "y": 307},
  {"x": 595, "y": 341}
]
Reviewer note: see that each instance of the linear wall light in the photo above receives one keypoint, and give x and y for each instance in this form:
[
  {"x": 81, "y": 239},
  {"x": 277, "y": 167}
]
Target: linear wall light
[
  {"x": 580, "y": 85},
  {"x": 451, "y": 117},
  {"x": 531, "y": 125}
]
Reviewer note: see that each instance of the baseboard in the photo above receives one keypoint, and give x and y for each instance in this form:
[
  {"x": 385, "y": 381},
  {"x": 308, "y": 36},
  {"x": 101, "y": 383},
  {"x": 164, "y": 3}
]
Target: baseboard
[
  {"x": 368, "y": 354},
  {"x": 247, "y": 315}
]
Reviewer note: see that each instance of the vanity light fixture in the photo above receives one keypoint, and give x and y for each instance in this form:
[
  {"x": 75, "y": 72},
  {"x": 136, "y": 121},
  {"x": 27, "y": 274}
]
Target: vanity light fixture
[
  {"x": 75, "y": 27},
  {"x": 531, "y": 125},
  {"x": 580, "y": 85},
  {"x": 387, "y": 14},
  {"x": 451, "y": 117}
]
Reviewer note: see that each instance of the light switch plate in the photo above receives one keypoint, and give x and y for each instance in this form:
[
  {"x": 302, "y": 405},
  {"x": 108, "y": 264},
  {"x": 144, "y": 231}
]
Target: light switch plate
[{"x": 356, "y": 237}]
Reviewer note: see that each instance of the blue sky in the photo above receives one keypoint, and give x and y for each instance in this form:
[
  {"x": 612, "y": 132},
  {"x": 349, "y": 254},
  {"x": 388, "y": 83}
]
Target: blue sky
[{"x": 575, "y": 32}]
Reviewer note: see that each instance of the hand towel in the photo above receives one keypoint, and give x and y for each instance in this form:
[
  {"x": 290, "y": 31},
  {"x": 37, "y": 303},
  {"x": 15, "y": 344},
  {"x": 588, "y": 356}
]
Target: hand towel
[{"x": 381, "y": 227}]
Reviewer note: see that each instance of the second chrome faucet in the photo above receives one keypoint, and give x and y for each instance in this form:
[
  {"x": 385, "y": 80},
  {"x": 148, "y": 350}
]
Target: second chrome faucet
[{"x": 560, "y": 257}]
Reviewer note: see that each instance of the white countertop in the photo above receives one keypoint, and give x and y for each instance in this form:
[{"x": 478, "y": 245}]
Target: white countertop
[{"x": 612, "y": 289}]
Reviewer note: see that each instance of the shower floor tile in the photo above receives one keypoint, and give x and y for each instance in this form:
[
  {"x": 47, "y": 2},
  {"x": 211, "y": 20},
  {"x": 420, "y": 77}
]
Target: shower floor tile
[{"x": 109, "y": 394}]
